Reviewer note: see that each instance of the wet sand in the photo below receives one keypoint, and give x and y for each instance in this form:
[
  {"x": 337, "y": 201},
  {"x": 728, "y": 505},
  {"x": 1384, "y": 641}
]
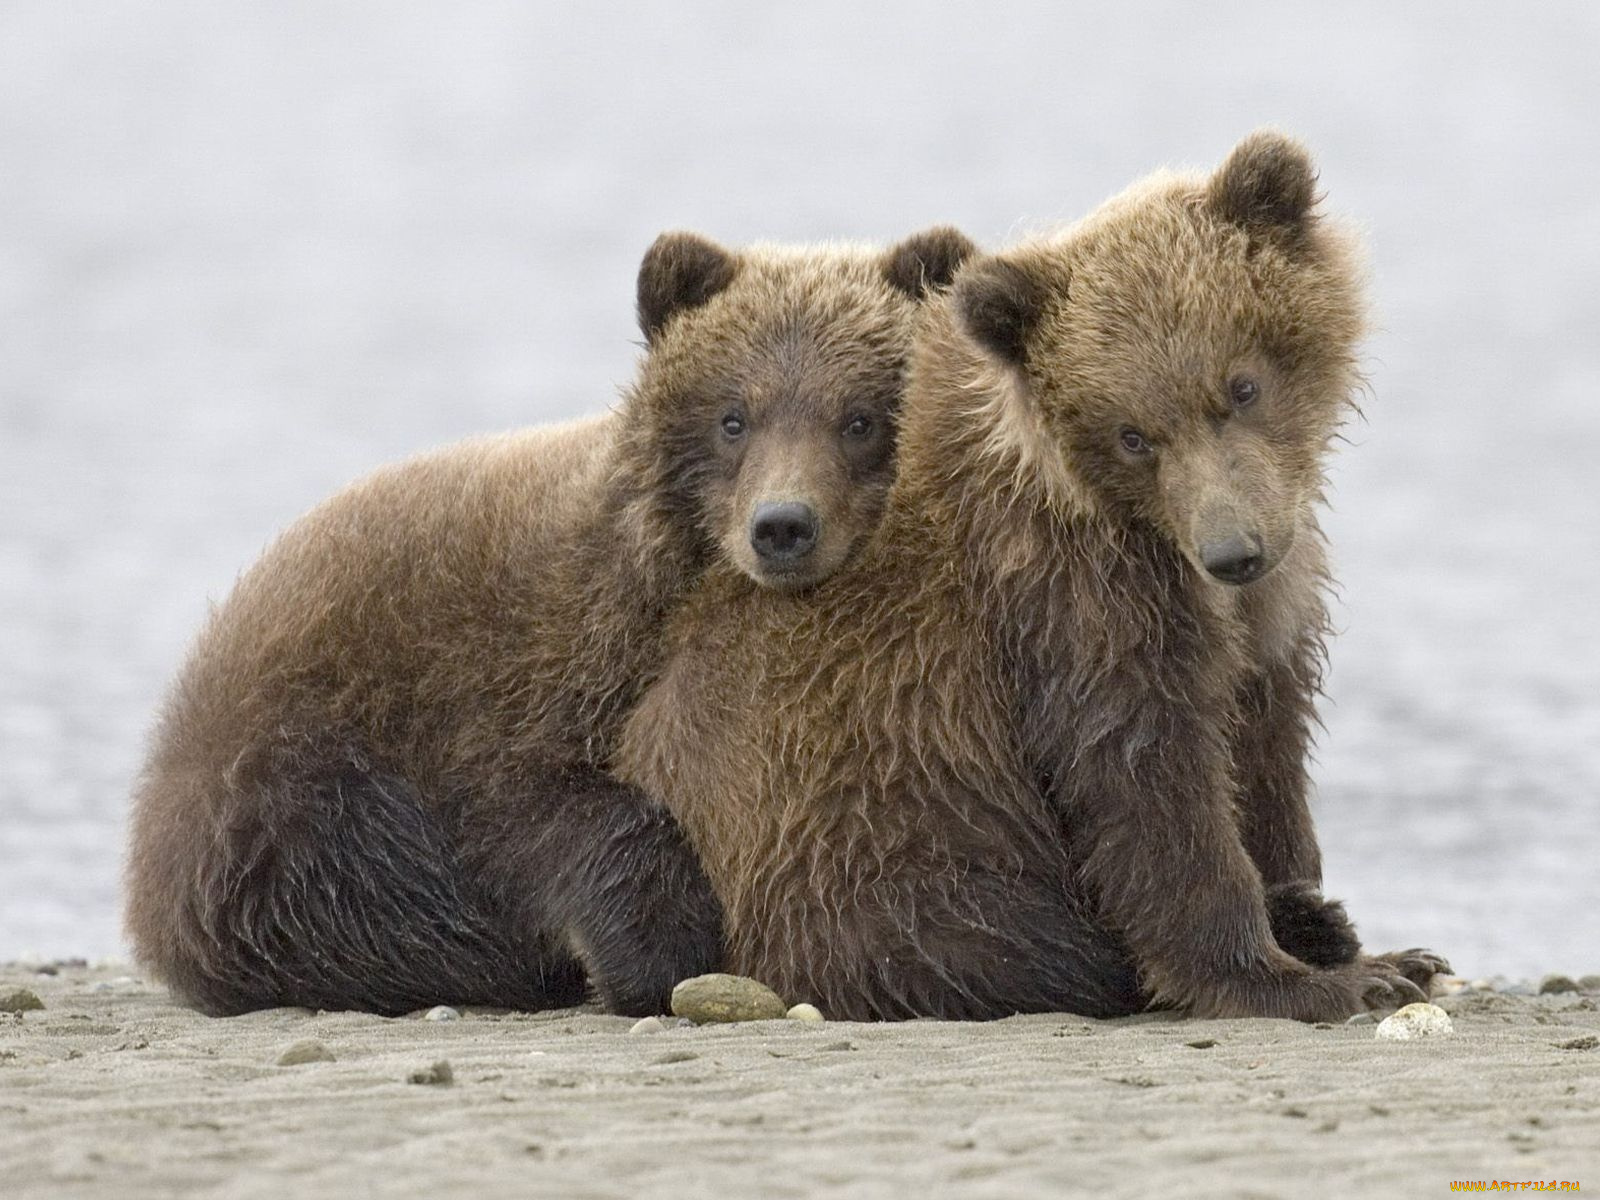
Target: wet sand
[{"x": 111, "y": 1090}]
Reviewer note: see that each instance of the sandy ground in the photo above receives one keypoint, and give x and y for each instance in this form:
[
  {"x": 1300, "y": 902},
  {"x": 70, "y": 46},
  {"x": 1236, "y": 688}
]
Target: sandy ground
[{"x": 111, "y": 1090}]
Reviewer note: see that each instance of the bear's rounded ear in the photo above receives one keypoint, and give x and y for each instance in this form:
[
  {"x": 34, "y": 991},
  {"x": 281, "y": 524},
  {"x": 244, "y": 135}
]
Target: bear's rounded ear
[
  {"x": 926, "y": 262},
  {"x": 1267, "y": 184},
  {"x": 680, "y": 271},
  {"x": 999, "y": 303}
]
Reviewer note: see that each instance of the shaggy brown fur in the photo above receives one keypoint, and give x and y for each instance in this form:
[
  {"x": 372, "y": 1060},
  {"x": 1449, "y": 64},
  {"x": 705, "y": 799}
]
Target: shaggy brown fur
[
  {"x": 1041, "y": 744},
  {"x": 377, "y": 782}
]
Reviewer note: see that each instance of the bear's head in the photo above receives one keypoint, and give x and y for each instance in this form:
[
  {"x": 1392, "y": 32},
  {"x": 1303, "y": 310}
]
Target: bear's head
[
  {"x": 767, "y": 401},
  {"x": 1183, "y": 357}
]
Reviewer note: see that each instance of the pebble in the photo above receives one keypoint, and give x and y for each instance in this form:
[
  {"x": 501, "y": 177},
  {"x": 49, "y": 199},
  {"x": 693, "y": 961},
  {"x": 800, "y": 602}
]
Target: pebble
[
  {"x": 1362, "y": 1018},
  {"x": 19, "y": 1000},
  {"x": 435, "y": 1075},
  {"x": 308, "y": 1051},
  {"x": 805, "y": 1012},
  {"x": 441, "y": 1012},
  {"x": 713, "y": 999},
  {"x": 648, "y": 1025},
  {"x": 1552, "y": 984},
  {"x": 1415, "y": 1021}
]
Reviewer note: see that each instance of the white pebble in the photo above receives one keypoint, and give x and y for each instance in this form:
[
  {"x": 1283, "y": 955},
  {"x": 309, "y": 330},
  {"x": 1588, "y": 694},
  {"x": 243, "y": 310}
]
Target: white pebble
[
  {"x": 805, "y": 1012},
  {"x": 648, "y": 1025},
  {"x": 441, "y": 1012},
  {"x": 1415, "y": 1021}
]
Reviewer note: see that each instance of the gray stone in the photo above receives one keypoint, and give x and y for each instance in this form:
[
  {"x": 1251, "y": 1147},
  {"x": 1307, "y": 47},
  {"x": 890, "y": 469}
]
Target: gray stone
[
  {"x": 714, "y": 999},
  {"x": 20, "y": 1000},
  {"x": 436, "y": 1075},
  {"x": 1553, "y": 984},
  {"x": 307, "y": 1051},
  {"x": 441, "y": 1012}
]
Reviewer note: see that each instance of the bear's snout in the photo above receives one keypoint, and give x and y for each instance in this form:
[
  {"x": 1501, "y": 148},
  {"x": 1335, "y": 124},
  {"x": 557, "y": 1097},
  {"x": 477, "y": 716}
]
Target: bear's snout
[
  {"x": 783, "y": 534},
  {"x": 1235, "y": 559}
]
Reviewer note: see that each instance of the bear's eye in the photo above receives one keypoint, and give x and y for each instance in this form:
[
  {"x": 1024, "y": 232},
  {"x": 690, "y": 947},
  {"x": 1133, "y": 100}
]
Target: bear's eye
[
  {"x": 859, "y": 427},
  {"x": 733, "y": 425},
  {"x": 1134, "y": 442},
  {"x": 1243, "y": 391}
]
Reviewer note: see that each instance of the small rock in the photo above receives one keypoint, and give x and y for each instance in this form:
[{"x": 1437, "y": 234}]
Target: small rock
[
  {"x": 1587, "y": 1042},
  {"x": 19, "y": 1000},
  {"x": 713, "y": 999},
  {"x": 308, "y": 1051},
  {"x": 1201, "y": 1043},
  {"x": 1415, "y": 1021},
  {"x": 1552, "y": 984},
  {"x": 1362, "y": 1018},
  {"x": 648, "y": 1025},
  {"x": 805, "y": 1012},
  {"x": 1589, "y": 983},
  {"x": 441, "y": 1012},
  {"x": 436, "y": 1075}
]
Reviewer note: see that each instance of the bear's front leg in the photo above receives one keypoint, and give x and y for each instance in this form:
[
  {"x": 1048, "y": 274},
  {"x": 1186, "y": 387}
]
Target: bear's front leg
[
  {"x": 1270, "y": 746},
  {"x": 1269, "y": 749},
  {"x": 1144, "y": 769}
]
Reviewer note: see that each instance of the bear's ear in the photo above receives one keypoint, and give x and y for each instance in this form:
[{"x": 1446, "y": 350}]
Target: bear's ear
[
  {"x": 680, "y": 271},
  {"x": 999, "y": 303},
  {"x": 1266, "y": 185},
  {"x": 926, "y": 262}
]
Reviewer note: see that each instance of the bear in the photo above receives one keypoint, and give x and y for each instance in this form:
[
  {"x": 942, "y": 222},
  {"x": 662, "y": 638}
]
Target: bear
[
  {"x": 378, "y": 782},
  {"x": 1040, "y": 745}
]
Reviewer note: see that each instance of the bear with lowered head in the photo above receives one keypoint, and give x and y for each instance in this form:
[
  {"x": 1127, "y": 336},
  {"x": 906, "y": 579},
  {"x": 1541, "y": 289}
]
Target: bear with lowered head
[{"x": 1041, "y": 744}]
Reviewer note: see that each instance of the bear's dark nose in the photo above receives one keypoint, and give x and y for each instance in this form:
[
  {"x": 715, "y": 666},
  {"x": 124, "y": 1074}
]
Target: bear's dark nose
[
  {"x": 784, "y": 533},
  {"x": 1237, "y": 559}
]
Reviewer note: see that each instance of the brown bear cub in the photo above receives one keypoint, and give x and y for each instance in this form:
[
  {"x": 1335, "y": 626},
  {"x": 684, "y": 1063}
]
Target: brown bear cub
[
  {"x": 1041, "y": 744},
  {"x": 378, "y": 783}
]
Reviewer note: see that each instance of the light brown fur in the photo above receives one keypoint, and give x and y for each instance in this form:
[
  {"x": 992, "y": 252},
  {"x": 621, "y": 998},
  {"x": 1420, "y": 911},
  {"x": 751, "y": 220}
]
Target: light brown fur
[
  {"x": 1024, "y": 752},
  {"x": 377, "y": 781}
]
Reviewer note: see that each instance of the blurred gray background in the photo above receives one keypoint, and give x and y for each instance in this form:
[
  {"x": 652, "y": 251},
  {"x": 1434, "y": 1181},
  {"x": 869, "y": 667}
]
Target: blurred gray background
[{"x": 248, "y": 252}]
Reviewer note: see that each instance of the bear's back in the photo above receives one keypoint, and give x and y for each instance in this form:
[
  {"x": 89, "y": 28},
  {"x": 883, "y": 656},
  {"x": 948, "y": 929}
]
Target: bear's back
[{"x": 406, "y": 603}]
